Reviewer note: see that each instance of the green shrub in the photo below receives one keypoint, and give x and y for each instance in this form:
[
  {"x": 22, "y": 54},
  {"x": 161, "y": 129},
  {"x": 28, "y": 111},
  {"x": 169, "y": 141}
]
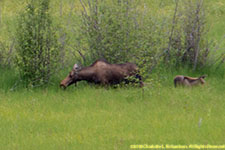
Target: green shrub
[
  {"x": 118, "y": 31},
  {"x": 37, "y": 46},
  {"x": 188, "y": 43}
]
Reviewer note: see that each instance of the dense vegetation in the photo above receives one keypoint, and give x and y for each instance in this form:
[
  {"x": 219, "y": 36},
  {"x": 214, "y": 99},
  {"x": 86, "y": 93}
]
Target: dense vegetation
[
  {"x": 90, "y": 117},
  {"x": 40, "y": 42},
  {"x": 37, "y": 46},
  {"x": 152, "y": 34}
]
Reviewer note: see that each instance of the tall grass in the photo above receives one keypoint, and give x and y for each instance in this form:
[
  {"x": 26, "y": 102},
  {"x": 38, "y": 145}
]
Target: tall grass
[
  {"x": 94, "y": 117},
  {"x": 8, "y": 78},
  {"x": 88, "y": 118}
]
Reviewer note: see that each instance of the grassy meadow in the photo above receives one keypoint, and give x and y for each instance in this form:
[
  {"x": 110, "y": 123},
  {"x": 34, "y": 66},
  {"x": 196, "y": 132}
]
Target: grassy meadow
[
  {"x": 89, "y": 117},
  {"x": 93, "y": 117}
]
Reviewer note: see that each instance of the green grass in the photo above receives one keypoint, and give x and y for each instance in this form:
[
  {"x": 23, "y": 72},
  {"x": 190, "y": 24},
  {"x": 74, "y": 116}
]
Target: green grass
[{"x": 90, "y": 117}]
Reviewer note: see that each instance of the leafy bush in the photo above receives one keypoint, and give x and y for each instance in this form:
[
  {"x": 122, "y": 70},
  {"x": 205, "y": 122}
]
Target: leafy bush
[
  {"x": 117, "y": 31},
  {"x": 188, "y": 42},
  {"x": 37, "y": 46}
]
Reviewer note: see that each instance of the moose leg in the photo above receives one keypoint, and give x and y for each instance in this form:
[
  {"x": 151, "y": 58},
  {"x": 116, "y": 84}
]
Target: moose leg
[
  {"x": 186, "y": 83},
  {"x": 105, "y": 83},
  {"x": 139, "y": 79}
]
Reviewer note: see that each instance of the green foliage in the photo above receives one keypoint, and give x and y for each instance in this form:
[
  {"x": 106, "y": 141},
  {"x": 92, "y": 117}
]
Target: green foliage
[
  {"x": 37, "y": 46},
  {"x": 118, "y": 32},
  {"x": 107, "y": 28},
  {"x": 189, "y": 44},
  {"x": 8, "y": 78},
  {"x": 2, "y": 54}
]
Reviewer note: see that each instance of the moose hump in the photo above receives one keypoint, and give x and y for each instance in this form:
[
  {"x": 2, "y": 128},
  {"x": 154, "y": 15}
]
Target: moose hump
[{"x": 102, "y": 72}]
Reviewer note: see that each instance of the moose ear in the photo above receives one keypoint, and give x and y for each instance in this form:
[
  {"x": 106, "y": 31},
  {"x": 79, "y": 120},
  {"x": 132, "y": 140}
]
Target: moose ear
[
  {"x": 76, "y": 67},
  {"x": 203, "y": 76}
]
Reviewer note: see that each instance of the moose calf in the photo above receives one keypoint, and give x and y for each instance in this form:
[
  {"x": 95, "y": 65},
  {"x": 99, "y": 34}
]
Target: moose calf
[{"x": 188, "y": 81}]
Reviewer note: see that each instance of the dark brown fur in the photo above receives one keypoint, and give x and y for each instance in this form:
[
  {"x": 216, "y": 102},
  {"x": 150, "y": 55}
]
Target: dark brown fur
[{"x": 102, "y": 72}]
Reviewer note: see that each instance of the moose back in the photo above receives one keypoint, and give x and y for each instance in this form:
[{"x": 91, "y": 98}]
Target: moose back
[{"x": 102, "y": 72}]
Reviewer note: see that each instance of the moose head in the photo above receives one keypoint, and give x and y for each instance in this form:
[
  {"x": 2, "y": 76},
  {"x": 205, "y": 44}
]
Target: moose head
[{"x": 72, "y": 77}]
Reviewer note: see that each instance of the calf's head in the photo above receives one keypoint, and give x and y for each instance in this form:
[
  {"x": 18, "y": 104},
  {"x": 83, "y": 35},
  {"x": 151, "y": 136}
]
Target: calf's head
[
  {"x": 71, "y": 78},
  {"x": 201, "y": 78}
]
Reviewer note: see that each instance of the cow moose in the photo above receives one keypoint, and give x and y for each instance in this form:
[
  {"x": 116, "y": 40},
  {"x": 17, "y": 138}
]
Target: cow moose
[
  {"x": 102, "y": 72},
  {"x": 188, "y": 81}
]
